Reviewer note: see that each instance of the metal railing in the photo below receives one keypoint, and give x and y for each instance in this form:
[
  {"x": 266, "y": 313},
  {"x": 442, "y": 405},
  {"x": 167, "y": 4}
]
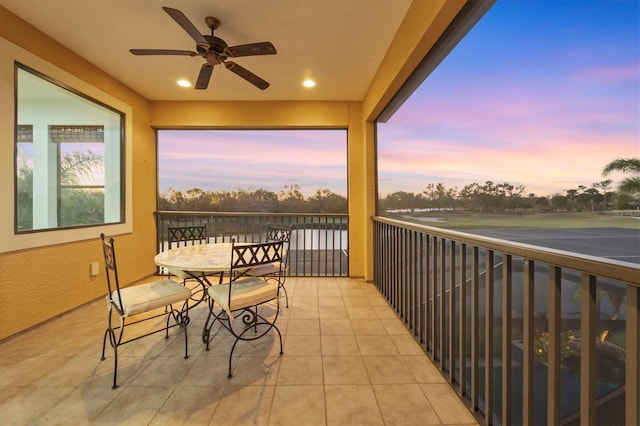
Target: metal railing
[
  {"x": 523, "y": 334},
  {"x": 318, "y": 246}
]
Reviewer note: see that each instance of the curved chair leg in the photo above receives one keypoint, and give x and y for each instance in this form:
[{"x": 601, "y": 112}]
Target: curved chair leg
[{"x": 286, "y": 295}]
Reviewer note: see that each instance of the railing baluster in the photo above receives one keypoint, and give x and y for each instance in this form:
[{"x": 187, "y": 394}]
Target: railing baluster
[
  {"x": 475, "y": 278},
  {"x": 588, "y": 349},
  {"x": 441, "y": 303},
  {"x": 632, "y": 378},
  {"x": 488, "y": 338},
  {"x": 507, "y": 305},
  {"x": 555, "y": 328},
  {"x": 527, "y": 335},
  {"x": 462, "y": 321},
  {"x": 452, "y": 314}
]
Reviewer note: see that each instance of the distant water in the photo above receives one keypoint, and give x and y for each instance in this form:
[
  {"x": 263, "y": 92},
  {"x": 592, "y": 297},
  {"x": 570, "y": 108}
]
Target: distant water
[{"x": 319, "y": 239}]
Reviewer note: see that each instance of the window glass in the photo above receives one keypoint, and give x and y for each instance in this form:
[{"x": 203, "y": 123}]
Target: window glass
[{"x": 68, "y": 157}]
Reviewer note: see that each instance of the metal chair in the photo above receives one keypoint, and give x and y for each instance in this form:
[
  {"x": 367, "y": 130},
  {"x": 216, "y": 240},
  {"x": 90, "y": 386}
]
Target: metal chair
[
  {"x": 130, "y": 302},
  {"x": 276, "y": 233},
  {"x": 188, "y": 235},
  {"x": 240, "y": 298}
]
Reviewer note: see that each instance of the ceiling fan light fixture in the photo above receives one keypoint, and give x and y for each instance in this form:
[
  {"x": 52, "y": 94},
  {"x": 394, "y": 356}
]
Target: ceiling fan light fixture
[
  {"x": 308, "y": 83},
  {"x": 184, "y": 83}
]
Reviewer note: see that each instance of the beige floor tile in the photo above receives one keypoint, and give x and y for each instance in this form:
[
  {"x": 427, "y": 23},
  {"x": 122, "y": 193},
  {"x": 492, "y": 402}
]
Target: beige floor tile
[
  {"x": 384, "y": 311},
  {"x": 446, "y": 404},
  {"x": 404, "y": 405},
  {"x": 78, "y": 407},
  {"x": 244, "y": 405},
  {"x": 394, "y": 326},
  {"x": 335, "y": 291},
  {"x": 303, "y": 327},
  {"x": 300, "y": 370},
  {"x": 339, "y": 345},
  {"x": 298, "y": 405},
  {"x": 362, "y": 313},
  {"x": 423, "y": 369},
  {"x": 330, "y": 301},
  {"x": 356, "y": 301},
  {"x": 302, "y": 345},
  {"x": 388, "y": 369},
  {"x": 406, "y": 344},
  {"x": 306, "y": 292},
  {"x": 129, "y": 408},
  {"x": 352, "y": 405},
  {"x": 305, "y": 301},
  {"x": 335, "y": 327},
  {"x": 189, "y": 405},
  {"x": 344, "y": 370},
  {"x": 303, "y": 312},
  {"x": 20, "y": 406},
  {"x": 255, "y": 371},
  {"x": 333, "y": 312},
  {"x": 376, "y": 345},
  {"x": 353, "y": 293},
  {"x": 364, "y": 327}
]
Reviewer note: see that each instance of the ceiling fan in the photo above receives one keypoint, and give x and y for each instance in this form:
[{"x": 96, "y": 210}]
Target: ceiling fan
[{"x": 214, "y": 50}]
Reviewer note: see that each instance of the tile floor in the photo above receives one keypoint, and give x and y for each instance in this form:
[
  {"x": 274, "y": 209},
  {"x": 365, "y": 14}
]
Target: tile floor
[{"x": 348, "y": 360}]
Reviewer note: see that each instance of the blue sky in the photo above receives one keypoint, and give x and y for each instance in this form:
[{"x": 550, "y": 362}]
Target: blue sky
[{"x": 539, "y": 93}]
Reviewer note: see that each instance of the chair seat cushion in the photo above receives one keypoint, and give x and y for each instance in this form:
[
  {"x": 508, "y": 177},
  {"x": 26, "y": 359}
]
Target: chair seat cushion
[
  {"x": 146, "y": 297},
  {"x": 244, "y": 293},
  {"x": 267, "y": 269}
]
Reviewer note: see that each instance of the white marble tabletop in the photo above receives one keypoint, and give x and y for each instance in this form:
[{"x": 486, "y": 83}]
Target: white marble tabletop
[{"x": 205, "y": 258}]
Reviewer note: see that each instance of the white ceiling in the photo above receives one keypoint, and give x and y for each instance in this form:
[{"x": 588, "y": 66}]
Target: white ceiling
[{"x": 338, "y": 43}]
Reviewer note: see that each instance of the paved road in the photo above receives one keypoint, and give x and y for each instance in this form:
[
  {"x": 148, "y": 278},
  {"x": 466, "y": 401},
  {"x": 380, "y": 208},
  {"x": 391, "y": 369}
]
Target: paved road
[{"x": 611, "y": 243}]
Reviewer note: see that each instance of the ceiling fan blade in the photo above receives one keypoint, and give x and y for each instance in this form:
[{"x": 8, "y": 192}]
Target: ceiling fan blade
[
  {"x": 204, "y": 76},
  {"x": 247, "y": 75},
  {"x": 186, "y": 25},
  {"x": 251, "y": 49},
  {"x": 162, "y": 52}
]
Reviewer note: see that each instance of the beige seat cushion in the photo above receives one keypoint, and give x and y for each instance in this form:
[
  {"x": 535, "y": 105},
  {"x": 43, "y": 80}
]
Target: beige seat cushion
[
  {"x": 146, "y": 297},
  {"x": 245, "y": 292},
  {"x": 268, "y": 269}
]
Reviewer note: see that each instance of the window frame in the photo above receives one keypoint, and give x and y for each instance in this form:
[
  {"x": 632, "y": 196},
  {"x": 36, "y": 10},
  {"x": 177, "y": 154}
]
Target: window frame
[{"x": 9, "y": 240}]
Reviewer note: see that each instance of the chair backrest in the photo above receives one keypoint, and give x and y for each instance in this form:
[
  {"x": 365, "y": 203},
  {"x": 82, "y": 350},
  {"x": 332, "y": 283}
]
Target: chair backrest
[
  {"x": 280, "y": 233},
  {"x": 186, "y": 235},
  {"x": 111, "y": 270},
  {"x": 247, "y": 256}
]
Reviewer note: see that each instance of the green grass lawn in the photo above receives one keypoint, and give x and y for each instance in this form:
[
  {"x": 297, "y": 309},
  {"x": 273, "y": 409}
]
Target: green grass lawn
[{"x": 455, "y": 220}]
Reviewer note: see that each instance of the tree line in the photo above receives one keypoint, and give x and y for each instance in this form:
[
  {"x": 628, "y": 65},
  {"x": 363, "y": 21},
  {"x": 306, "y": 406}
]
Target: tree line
[
  {"x": 289, "y": 200},
  {"x": 507, "y": 197}
]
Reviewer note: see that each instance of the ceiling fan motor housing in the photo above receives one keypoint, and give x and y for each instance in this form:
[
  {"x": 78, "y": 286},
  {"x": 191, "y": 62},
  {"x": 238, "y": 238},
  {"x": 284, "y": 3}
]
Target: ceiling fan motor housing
[{"x": 216, "y": 44}]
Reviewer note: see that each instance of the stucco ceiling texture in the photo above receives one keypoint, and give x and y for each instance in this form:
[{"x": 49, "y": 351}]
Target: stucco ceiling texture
[{"x": 338, "y": 43}]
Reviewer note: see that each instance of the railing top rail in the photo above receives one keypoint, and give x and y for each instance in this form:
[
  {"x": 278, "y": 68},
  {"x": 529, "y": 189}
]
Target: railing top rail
[
  {"x": 245, "y": 214},
  {"x": 614, "y": 269}
]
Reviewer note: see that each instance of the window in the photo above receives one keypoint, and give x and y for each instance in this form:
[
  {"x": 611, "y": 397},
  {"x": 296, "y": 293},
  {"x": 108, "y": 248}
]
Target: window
[{"x": 69, "y": 157}]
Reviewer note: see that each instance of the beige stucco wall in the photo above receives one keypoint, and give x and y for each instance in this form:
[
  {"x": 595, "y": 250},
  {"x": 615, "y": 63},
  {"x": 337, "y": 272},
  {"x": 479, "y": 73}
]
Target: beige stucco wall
[{"x": 40, "y": 283}]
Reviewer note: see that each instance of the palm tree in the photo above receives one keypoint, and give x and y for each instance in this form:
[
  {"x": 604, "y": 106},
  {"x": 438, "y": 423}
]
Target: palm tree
[{"x": 630, "y": 184}]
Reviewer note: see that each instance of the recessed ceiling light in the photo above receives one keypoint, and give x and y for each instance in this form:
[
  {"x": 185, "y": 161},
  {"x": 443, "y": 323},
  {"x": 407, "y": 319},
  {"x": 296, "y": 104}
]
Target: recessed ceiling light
[
  {"x": 184, "y": 83},
  {"x": 308, "y": 83}
]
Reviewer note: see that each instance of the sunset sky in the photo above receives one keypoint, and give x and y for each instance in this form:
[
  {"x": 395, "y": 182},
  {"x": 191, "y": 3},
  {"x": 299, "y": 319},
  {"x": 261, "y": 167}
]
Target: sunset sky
[{"x": 539, "y": 93}]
